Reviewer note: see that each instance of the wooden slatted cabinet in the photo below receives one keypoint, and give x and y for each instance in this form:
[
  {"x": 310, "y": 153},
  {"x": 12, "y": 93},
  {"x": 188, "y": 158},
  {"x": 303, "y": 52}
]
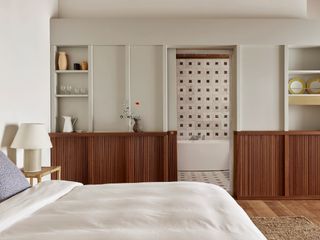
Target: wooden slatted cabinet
[
  {"x": 277, "y": 165},
  {"x": 95, "y": 158}
]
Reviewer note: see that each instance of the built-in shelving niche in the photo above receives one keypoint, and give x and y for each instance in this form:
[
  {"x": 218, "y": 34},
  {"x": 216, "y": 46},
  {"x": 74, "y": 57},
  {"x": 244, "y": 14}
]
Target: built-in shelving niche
[
  {"x": 303, "y": 109},
  {"x": 75, "y": 101}
]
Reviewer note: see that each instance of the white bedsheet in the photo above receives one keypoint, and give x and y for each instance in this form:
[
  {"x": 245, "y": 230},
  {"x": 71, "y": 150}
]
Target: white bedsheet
[{"x": 59, "y": 210}]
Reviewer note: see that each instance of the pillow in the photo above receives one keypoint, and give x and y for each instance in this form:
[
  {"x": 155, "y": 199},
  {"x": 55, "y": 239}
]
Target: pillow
[{"x": 12, "y": 181}]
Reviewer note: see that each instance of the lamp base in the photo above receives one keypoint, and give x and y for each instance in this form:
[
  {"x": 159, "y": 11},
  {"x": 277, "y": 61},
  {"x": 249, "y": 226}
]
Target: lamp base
[{"x": 32, "y": 160}]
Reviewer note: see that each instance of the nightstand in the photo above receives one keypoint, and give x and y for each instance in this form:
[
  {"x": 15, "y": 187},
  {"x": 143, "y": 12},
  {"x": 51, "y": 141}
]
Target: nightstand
[{"x": 44, "y": 171}]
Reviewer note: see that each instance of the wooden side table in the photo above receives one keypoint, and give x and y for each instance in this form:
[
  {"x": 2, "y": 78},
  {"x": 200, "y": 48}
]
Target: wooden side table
[{"x": 44, "y": 171}]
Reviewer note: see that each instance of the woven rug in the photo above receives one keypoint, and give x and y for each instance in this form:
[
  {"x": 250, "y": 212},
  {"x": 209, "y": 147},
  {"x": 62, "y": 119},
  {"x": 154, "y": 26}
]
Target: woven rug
[{"x": 287, "y": 228}]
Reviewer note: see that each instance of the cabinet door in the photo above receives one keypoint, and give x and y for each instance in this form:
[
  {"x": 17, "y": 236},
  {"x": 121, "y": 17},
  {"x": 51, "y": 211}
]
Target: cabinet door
[
  {"x": 109, "y": 88},
  {"x": 71, "y": 153},
  {"x": 259, "y": 166},
  {"x": 304, "y": 157},
  {"x": 147, "y": 158},
  {"x": 107, "y": 163},
  {"x": 314, "y": 166}
]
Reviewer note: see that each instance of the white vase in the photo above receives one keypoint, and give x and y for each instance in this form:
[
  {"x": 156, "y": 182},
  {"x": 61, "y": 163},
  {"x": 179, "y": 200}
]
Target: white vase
[{"x": 62, "y": 61}]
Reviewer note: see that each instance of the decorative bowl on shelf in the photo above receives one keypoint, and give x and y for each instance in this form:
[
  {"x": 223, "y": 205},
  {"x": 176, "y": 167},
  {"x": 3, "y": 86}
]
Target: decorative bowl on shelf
[
  {"x": 297, "y": 86},
  {"x": 313, "y": 86}
]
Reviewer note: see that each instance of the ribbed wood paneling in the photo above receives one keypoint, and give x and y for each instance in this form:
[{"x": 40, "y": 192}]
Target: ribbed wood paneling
[
  {"x": 117, "y": 157},
  {"x": 304, "y": 165},
  {"x": 107, "y": 163},
  {"x": 259, "y": 165},
  {"x": 71, "y": 154},
  {"x": 277, "y": 165},
  {"x": 314, "y": 165},
  {"x": 298, "y": 164},
  {"x": 172, "y": 157},
  {"x": 147, "y": 155}
]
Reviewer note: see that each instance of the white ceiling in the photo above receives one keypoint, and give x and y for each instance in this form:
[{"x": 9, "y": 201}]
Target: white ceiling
[{"x": 183, "y": 8}]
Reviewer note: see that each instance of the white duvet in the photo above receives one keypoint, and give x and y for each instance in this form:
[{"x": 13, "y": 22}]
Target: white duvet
[{"x": 60, "y": 210}]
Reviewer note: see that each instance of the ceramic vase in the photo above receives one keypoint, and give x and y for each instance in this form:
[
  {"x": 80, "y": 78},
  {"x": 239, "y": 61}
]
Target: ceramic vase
[
  {"x": 62, "y": 61},
  {"x": 136, "y": 126}
]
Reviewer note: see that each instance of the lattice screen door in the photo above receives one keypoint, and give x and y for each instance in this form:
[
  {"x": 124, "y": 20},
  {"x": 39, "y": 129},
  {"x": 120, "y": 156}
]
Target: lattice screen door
[{"x": 203, "y": 97}]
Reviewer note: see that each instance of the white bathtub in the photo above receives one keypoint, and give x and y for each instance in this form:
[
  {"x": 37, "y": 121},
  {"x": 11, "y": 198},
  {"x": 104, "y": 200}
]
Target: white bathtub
[{"x": 203, "y": 155}]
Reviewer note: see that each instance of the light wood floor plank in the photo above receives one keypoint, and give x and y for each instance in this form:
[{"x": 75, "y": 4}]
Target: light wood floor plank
[{"x": 269, "y": 208}]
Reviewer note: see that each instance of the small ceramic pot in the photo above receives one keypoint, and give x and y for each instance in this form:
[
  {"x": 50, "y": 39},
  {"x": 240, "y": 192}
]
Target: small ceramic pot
[
  {"x": 77, "y": 66},
  {"x": 84, "y": 65}
]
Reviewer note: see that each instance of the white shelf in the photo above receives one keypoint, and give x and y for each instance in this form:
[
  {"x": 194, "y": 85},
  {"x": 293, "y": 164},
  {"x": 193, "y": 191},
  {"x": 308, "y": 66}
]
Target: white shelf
[
  {"x": 72, "y": 95},
  {"x": 302, "y": 111},
  {"x": 304, "y": 99},
  {"x": 304, "y": 71},
  {"x": 304, "y": 95},
  {"x": 71, "y": 71}
]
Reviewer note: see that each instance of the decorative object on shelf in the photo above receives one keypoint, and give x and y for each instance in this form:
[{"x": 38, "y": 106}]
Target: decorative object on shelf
[
  {"x": 127, "y": 113},
  {"x": 136, "y": 126},
  {"x": 84, "y": 65},
  {"x": 69, "y": 89},
  {"x": 32, "y": 137},
  {"x": 69, "y": 122},
  {"x": 62, "y": 61},
  {"x": 313, "y": 86},
  {"x": 69, "y": 84},
  {"x": 83, "y": 90},
  {"x": 76, "y": 66},
  {"x": 63, "y": 89},
  {"x": 76, "y": 91},
  {"x": 297, "y": 86}
]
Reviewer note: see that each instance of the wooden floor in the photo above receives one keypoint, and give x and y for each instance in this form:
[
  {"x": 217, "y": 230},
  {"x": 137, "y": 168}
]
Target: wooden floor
[{"x": 307, "y": 208}]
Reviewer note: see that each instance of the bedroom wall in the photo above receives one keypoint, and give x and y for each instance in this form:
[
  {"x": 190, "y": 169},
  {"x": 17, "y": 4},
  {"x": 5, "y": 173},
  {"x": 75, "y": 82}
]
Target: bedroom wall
[
  {"x": 260, "y": 94},
  {"x": 25, "y": 67},
  {"x": 313, "y": 9},
  {"x": 146, "y": 85},
  {"x": 222, "y": 8},
  {"x": 258, "y": 42}
]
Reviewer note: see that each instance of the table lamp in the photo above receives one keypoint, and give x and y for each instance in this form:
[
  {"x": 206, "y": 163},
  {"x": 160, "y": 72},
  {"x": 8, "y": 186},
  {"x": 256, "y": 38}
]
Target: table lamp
[{"x": 32, "y": 137}]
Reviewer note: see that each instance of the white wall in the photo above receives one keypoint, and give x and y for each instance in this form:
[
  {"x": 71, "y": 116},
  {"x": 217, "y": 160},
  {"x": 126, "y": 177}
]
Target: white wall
[
  {"x": 261, "y": 98},
  {"x": 109, "y": 86},
  {"x": 182, "y": 8},
  {"x": 313, "y": 9},
  {"x": 191, "y": 8},
  {"x": 146, "y": 85},
  {"x": 261, "y": 71},
  {"x": 25, "y": 66},
  {"x": 184, "y": 31},
  {"x": 172, "y": 89}
]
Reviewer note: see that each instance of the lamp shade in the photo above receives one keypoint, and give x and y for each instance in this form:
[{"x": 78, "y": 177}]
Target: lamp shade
[{"x": 31, "y": 136}]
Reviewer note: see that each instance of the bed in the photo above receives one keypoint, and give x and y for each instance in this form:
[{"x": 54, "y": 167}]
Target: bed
[{"x": 66, "y": 210}]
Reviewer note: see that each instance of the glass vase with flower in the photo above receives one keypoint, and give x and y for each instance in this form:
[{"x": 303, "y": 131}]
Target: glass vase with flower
[{"x": 132, "y": 116}]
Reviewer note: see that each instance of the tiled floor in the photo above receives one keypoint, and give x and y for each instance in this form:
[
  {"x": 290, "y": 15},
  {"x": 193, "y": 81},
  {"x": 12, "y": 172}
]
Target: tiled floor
[{"x": 220, "y": 178}]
